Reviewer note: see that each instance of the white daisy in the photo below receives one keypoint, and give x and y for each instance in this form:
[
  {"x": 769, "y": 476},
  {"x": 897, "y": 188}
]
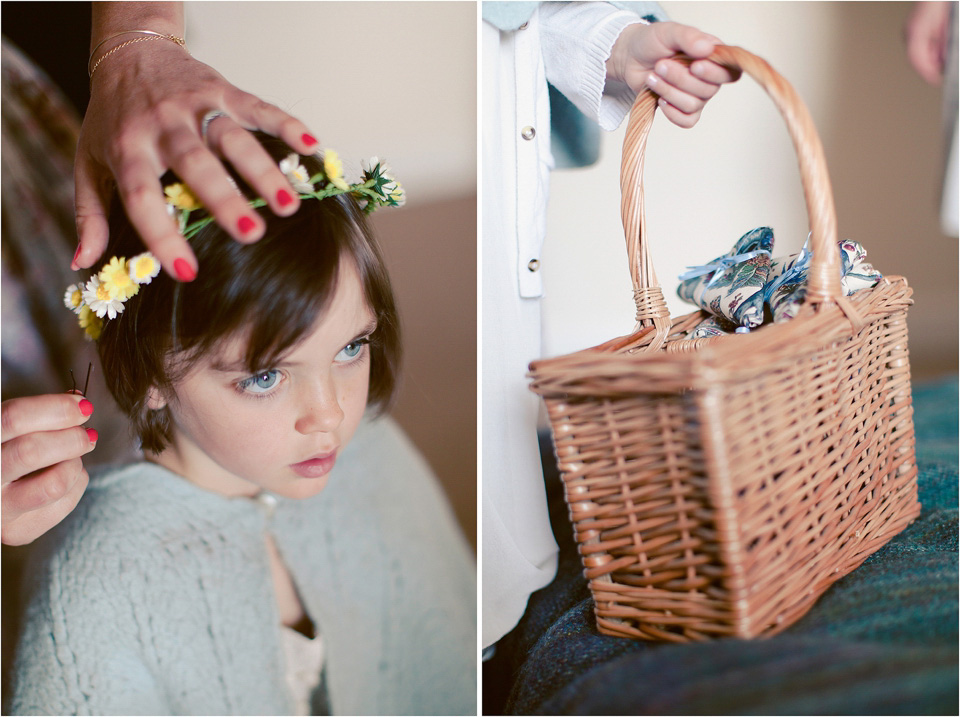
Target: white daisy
[
  {"x": 98, "y": 299},
  {"x": 296, "y": 174},
  {"x": 143, "y": 268},
  {"x": 73, "y": 298},
  {"x": 370, "y": 165}
]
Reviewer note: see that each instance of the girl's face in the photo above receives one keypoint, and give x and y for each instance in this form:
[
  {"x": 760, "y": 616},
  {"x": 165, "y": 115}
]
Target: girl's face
[{"x": 281, "y": 428}]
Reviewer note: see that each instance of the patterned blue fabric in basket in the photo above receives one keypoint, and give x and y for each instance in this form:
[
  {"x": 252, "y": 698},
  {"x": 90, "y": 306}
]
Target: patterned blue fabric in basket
[
  {"x": 882, "y": 640},
  {"x": 731, "y": 286}
]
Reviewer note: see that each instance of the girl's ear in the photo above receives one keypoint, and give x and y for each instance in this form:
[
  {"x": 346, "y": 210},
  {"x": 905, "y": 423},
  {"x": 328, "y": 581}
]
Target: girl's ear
[{"x": 155, "y": 399}]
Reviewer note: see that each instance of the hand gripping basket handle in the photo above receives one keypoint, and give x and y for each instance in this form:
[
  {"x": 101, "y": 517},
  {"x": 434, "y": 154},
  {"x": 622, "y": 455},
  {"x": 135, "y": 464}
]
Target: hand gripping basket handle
[{"x": 824, "y": 273}]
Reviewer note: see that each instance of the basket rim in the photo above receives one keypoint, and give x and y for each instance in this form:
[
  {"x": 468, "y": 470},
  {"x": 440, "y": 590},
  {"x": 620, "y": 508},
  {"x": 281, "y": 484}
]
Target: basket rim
[{"x": 815, "y": 328}]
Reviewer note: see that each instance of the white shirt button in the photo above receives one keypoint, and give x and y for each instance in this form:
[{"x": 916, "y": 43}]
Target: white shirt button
[
  {"x": 528, "y": 132},
  {"x": 267, "y": 501},
  {"x": 533, "y": 265}
]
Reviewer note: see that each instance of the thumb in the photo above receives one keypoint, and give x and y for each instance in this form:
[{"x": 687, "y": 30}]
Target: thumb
[
  {"x": 688, "y": 40},
  {"x": 92, "y": 206}
]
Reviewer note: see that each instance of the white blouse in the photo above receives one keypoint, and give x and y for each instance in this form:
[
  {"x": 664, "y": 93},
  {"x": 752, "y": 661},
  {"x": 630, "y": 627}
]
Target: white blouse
[
  {"x": 566, "y": 44},
  {"x": 304, "y": 663}
]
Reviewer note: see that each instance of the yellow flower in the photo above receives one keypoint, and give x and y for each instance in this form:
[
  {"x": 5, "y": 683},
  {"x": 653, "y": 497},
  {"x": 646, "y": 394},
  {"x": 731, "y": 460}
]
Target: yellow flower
[
  {"x": 333, "y": 168},
  {"x": 115, "y": 279},
  {"x": 90, "y": 323},
  {"x": 143, "y": 268},
  {"x": 397, "y": 194},
  {"x": 180, "y": 196}
]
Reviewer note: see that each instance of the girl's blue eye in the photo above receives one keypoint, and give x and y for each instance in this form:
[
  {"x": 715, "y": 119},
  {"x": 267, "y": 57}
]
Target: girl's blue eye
[
  {"x": 261, "y": 383},
  {"x": 352, "y": 350}
]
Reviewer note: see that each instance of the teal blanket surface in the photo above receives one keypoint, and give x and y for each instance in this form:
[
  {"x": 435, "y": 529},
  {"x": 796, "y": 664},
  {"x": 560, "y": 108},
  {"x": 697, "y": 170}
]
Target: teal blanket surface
[{"x": 883, "y": 640}]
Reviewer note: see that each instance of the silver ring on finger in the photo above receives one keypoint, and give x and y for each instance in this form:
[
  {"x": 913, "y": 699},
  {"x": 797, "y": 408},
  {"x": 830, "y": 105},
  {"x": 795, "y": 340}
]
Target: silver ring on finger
[{"x": 207, "y": 119}]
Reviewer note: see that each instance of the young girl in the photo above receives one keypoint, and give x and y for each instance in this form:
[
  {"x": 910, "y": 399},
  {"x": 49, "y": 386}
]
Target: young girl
[{"x": 257, "y": 561}]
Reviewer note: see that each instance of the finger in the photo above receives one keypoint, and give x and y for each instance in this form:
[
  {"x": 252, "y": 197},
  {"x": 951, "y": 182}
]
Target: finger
[
  {"x": 36, "y": 451},
  {"x": 144, "y": 202},
  {"x": 40, "y": 488},
  {"x": 206, "y": 176},
  {"x": 254, "y": 164},
  {"x": 677, "y": 116},
  {"x": 92, "y": 202},
  {"x": 28, "y": 526},
  {"x": 49, "y": 412},
  {"x": 677, "y": 98},
  {"x": 250, "y": 111},
  {"x": 925, "y": 60},
  {"x": 713, "y": 73},
  {"x": 678, "y": 76}
]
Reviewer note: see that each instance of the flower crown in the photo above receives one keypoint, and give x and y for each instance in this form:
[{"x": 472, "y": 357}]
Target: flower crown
[{"x": 104, "y": 295}]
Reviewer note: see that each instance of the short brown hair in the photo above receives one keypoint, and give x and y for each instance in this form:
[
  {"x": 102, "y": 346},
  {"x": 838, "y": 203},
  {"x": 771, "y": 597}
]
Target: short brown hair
[{"x": 272, "y": 290}]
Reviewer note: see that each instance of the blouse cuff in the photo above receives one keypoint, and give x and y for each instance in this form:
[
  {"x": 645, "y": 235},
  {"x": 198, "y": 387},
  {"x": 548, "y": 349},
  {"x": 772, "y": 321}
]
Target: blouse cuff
[{"x": 577, "y": 41}]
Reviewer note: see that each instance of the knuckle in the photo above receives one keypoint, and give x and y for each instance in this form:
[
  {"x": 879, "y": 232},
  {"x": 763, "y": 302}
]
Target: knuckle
[
  {"x": 168, "y": 110},
  {"x": 56, "y": 482},
  {"x": 26, "y": 452},
  {"x": 262, "y": 108},
  {"x": 269, "y": 175},
  {"x": 290, "y": 126},
  {"x": 124, "y": 145},
  {"x": 136, "y": 194},
  {"x": 189, "y": 158},
  {"x": 11, "y": 416},
  {"x": 234, "y": 138}
]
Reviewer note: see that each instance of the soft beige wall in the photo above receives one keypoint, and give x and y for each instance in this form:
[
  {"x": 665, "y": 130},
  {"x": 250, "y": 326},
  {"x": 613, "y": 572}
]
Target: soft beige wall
[
  {"x": 736, "y": 170},
  {"x": 395, "y": 79}
]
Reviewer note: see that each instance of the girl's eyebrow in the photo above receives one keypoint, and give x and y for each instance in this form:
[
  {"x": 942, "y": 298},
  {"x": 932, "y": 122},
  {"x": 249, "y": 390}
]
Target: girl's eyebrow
[
  {"x": 368, "y": 329},
  {"x": 240, "y": 366}
]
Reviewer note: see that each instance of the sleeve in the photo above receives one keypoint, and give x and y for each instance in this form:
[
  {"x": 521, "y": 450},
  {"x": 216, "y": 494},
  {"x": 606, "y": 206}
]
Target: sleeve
[
  {"x": 73, "y": 657},
  {"x": 577, "y": 38}
]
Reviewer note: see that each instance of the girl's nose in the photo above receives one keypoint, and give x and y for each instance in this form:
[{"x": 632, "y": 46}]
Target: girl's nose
[{"x": 320, "y": 411}]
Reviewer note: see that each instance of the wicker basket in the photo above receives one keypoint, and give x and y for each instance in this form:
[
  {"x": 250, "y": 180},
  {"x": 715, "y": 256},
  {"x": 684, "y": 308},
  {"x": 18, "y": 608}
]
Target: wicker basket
[{"x": 719, "y": 486}]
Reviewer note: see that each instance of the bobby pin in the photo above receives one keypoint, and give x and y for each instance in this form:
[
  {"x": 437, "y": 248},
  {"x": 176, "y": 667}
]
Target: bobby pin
[{"x": 86, "y": 382}]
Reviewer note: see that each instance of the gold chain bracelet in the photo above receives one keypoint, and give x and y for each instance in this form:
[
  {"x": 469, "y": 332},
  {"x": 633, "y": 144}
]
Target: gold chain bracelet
[{"x": 149, "y": 35}]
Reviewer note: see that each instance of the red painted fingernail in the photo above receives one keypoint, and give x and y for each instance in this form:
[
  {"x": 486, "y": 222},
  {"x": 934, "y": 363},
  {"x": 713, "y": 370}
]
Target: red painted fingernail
[
  {"x": 86, "y": 408},
  {"x": 92, "y": 435},
  {"x": 284, "y": 197},
  {"x": 184, "y": 271},
  {"x": 246, "y": 225},
  {"x": 308, "y": 139},
  {"x": 77, "y": 252}
]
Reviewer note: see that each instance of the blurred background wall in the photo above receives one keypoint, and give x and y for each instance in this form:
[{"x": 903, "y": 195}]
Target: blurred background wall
[
  {"x": 736, "y": 170},
  {"x": 396, "y": 80}
]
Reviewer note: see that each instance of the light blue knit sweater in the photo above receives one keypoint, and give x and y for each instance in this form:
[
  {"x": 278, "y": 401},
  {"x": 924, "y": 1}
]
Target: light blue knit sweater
[{"x": 155, "y": 597}]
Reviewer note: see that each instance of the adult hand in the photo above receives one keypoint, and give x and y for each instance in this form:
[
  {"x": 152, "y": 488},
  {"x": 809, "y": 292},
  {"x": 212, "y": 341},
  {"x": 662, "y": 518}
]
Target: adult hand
[
  {"x": 641, "y": 58},
  {"x": 146, "y": 107},
  {"x": 43, "y": 474},
  {"x": 926, "y": 36}
]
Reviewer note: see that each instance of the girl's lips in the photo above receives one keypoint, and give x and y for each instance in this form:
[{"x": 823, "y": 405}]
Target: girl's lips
[{"x": 315, "y": 467}]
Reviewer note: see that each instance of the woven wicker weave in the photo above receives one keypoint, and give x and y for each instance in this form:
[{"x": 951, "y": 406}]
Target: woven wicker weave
[{"x": 719, "y": 486}]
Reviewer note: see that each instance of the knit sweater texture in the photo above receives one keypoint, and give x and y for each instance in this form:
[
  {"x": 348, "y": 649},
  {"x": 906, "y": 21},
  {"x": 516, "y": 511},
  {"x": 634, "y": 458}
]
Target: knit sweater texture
[{"x": 155, "y": 596}]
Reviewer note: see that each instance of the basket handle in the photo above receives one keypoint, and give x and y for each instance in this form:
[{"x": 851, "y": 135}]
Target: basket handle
[{"x": 824, "y": 273}]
